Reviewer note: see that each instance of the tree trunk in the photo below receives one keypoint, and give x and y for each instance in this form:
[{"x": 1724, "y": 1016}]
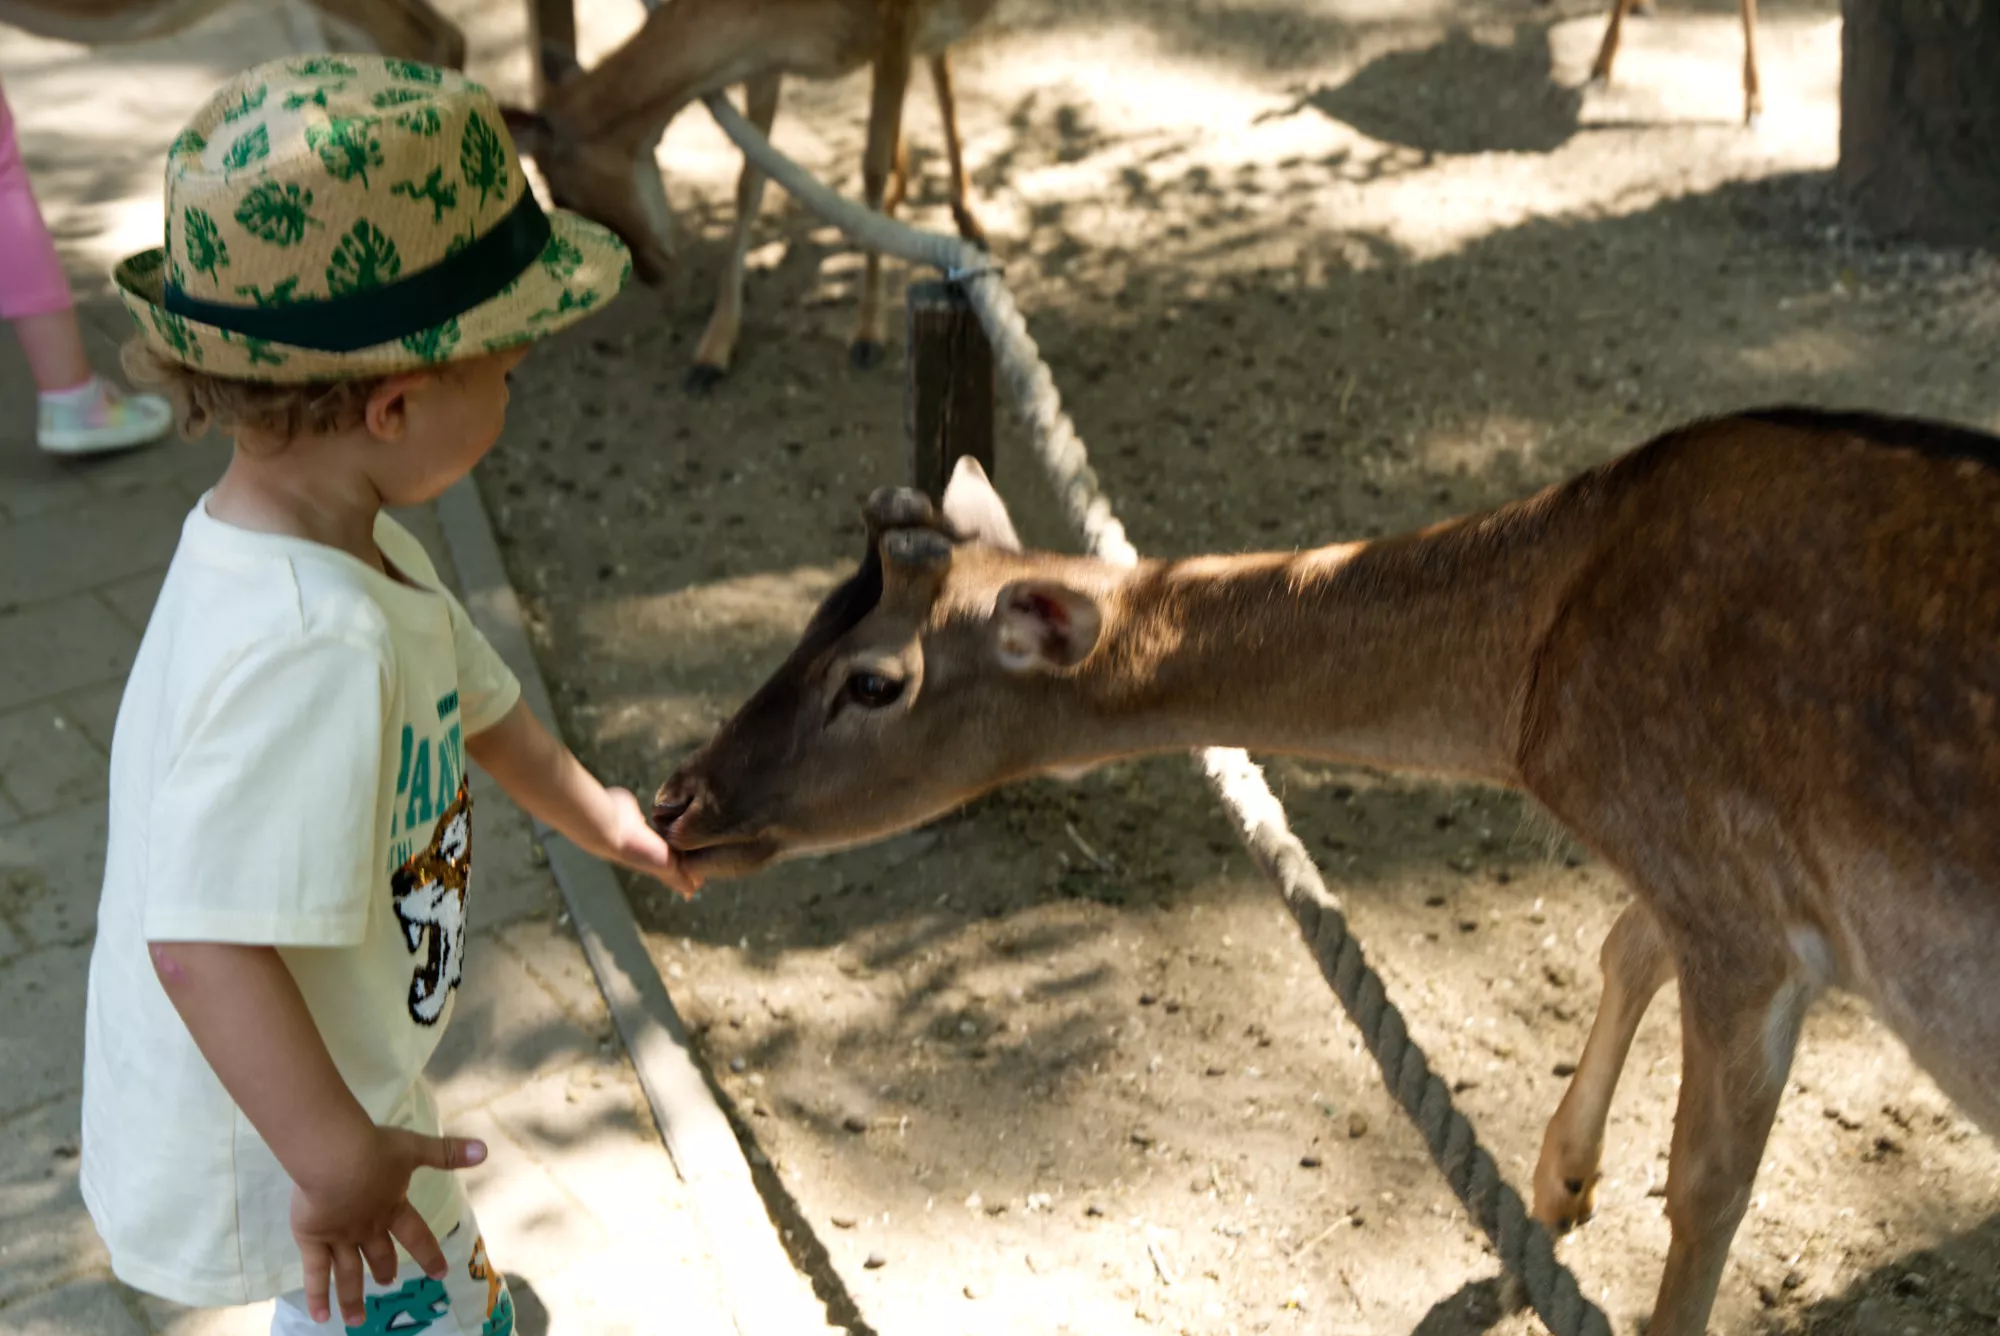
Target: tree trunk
[{"x": 1920, "y": 118}]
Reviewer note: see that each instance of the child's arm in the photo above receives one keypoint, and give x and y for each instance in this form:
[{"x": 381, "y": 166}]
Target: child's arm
[
  {"x": 545, "y": 777},
  {"x": 244, "y": 1010}
]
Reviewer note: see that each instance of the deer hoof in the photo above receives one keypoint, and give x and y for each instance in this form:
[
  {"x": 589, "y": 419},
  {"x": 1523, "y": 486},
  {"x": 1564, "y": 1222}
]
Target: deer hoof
[
  {"x": 702, "y": 377},
  {"x": 969, "y": 228},
  {"x": 1565, "y": 1205},
  {"x": 866, "y": 354}
]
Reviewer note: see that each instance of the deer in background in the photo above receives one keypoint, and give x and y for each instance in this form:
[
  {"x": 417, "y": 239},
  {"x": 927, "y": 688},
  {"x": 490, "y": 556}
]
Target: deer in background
[
  {"x": 1607, "y": 52},
  {"x": 594, "y": 135},
  {"x": 1751, "y": 664}
]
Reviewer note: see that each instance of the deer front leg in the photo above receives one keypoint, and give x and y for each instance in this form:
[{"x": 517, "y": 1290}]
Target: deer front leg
[
  {"x": 1736, "y": 1052},
  {"x": 1636, "y": 962},
  {"x": 718, "y": 342},
  {"x": 1753, "y": 95},
  {"x": 885, "y": 138},
  {"x": 961, "y": 211},
  {"x": 1607, "y": 51}
]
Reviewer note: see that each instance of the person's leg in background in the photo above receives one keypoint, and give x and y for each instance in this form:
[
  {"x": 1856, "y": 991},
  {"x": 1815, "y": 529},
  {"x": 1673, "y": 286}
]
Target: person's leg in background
[{"x": 78, "y": 413}]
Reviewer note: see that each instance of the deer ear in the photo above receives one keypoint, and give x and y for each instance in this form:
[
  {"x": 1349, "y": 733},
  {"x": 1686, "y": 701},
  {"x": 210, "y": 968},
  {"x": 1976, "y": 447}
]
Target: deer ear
[
  {"x": 974, "y": 509},
  {"x": 1039, "y": 625},
  {"x": 529, "y": 130}
]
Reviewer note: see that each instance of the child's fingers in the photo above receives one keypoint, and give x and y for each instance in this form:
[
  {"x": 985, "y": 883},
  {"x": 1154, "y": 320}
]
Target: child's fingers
[
  {"x": 380, "y": 1254},
  {"x": 409, "y": 1229},
  {"x": 318, "y": 1261},
  {"x": 440, "y": 1152},
  {"x": 347, "y": 1285}
]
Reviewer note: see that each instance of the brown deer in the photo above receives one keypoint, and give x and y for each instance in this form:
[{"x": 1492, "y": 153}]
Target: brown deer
[
  {"x": 1752, "y": 664},
  {"x": 1607, "y": 52},
  {"x": 595, "y": 133}
]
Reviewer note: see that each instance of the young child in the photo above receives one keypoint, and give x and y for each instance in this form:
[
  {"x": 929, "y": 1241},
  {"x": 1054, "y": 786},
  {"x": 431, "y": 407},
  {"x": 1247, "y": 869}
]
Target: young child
[{"x": 354, "y": 264}]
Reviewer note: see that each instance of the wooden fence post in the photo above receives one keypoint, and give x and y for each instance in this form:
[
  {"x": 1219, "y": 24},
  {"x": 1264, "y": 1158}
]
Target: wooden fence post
[{"x": 948, "y": 403}]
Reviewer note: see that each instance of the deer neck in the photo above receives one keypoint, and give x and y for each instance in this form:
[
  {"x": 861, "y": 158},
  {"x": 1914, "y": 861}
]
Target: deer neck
[
  {"x": 1411, "y": 653},
  {"x": 682, "y": 51}
]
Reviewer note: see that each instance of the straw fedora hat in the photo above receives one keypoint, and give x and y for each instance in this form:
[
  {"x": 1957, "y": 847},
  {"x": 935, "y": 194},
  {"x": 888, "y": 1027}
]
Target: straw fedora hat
[{"x": 338, "y": 216}]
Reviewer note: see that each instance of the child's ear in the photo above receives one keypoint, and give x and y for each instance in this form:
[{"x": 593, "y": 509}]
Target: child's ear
[{"x": 387, "y": 414}]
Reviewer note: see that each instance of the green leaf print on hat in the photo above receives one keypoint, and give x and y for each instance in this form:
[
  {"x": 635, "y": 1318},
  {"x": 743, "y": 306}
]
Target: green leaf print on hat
[
  {"x": 569, "y": 301},
  {"x": 260, "y": 351},
  {"x": 316, "y": 98},
  {"x": 206, "y": 250},
  {"x": 189, "y": 142},
  {"x": 419, "y": 120},
  {"x": 246, "y": 103},
  {"x": 561, "y": 258},
  {"x": 275, "y": 211},
  {"x": 320, "y": 67},
  {"x": 413, "y": 72},
  {"x": 250, "y": 146},
  {"x": 285, "y": 292},
  {"x": 433, "y": 192},
  {"x": 348, "y": 145},
  {"x": 175, "y": 333},
  {"x": 364, "y": 259},
  {"x": 436, "y": 343},
  {"x": 483, "y": 159}
]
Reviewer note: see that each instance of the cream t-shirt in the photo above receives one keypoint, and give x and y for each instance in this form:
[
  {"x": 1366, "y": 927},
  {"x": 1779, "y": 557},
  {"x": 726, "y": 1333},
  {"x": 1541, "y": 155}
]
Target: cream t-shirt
[{"x": 288, "y": 770}]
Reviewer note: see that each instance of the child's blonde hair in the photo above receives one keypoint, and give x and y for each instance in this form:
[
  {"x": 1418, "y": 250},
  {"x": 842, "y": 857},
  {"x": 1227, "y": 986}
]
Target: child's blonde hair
[{"x": 279, "y": 413}]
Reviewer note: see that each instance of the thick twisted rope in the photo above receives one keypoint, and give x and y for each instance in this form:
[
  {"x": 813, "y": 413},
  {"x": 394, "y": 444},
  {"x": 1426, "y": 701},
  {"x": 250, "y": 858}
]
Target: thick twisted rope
[{"x": 1523, "y": 1244}]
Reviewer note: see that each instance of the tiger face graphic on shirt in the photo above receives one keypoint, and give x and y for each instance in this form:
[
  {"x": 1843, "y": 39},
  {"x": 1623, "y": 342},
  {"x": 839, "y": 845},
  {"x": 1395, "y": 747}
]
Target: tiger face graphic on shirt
[{"x": 429, "y": 884}]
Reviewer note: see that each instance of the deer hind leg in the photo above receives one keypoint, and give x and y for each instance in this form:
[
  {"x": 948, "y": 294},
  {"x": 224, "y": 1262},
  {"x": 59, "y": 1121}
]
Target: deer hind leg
[
  {"x": 885, "y": 139},
  {"x": 1753, "y": 93},
  {"x": 1737, "y": 1042},
  {"x": 1607, "y": 51},
  {"x": 718, "y": 342},
  {"x": 961, "y": 211},
  {"x": 1636, "y": 961}
]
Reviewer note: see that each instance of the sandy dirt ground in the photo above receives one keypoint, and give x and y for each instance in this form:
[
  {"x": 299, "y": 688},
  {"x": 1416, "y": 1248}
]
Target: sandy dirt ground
[{"x": 1305, "y": 270}]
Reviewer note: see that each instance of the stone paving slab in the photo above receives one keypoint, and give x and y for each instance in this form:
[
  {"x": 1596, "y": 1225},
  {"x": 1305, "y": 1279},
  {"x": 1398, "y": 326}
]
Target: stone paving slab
[{"x": 59, "y": 645}]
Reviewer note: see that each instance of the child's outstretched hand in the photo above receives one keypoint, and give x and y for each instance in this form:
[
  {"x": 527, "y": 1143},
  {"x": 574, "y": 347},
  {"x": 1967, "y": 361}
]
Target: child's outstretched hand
[
  {"x": 358, "y": 1211},
  {"x": 541, "y": 775},
  {"x": 638, "y": 846}
]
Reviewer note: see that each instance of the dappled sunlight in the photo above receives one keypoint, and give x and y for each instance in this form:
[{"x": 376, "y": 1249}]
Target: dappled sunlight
[{"x": 94, "y": 124}]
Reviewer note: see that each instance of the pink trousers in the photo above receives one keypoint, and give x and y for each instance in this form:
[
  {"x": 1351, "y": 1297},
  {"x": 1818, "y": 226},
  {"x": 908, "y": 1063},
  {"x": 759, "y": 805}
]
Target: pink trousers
[{"x": 31, "y": 277}]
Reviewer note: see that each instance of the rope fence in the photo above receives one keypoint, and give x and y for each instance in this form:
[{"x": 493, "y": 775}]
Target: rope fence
[{"x": 1523, "y": 1245}]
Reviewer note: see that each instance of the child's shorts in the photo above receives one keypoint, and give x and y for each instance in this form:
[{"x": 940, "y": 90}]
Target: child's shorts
[{"x": 471, "y": 1300}]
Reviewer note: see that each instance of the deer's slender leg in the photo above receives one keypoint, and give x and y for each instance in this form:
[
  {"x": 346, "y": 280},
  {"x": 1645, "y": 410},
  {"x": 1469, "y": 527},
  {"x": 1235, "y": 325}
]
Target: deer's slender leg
[
  {"x": 885, "y": 137},
  {"x": 1607, "y": 51},
  {"x": 551, "y": 43},
  {"x": 1636, "y": 961},
  {"x": 961, "y": 210},
  {"x": 1753, "y": 95},
  {"x": 718, "y": 342},
  {"x": 1737, "y": 1041}
]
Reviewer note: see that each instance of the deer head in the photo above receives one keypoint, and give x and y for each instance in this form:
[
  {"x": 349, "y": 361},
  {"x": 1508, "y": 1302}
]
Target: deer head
[
  {"x": 611, "y": 181},
  {"x": 905, "y": 697}
]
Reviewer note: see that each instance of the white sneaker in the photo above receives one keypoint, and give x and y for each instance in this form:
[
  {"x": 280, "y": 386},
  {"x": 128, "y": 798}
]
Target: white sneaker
[{"x": 95, "y": 418}]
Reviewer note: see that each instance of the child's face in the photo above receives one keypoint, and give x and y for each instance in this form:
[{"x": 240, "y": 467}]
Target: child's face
[{"x": 430, "y": 429}]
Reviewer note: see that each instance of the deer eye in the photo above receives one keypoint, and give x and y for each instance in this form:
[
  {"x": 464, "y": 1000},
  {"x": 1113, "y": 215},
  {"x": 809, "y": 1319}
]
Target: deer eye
[{"x": 874, "y": 690}]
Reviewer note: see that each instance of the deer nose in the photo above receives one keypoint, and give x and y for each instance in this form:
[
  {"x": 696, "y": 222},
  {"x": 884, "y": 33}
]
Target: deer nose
[{"x": 670, "y": 804}]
